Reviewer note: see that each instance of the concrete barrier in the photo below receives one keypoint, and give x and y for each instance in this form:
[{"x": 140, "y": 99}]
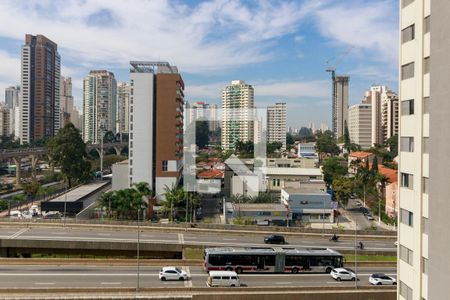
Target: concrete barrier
[
  {"x": 143, "y": 262},
  {"x": 200, "y": 227}
]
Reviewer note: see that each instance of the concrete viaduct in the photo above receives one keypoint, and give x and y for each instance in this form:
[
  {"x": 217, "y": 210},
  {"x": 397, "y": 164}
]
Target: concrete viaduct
[{"x": 36, "y": 154}]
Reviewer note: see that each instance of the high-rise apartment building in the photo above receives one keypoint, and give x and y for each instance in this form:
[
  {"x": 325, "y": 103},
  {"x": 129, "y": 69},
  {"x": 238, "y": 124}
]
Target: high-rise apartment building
[
  {"x": 214, "y": 124},
  {"x": 40, "y": 83},
  {"x": 389, "y": 114},
  {"x": 423, "y": 238},
  {"x": 276, "y": 123},
  {"x": 359, "y": 124},
  {"x": 237, "y": 114},
  {"x": 123, "y": 104},
  {"x": 5, "y": 115},
  {"x": 12, "y": 102},
  {"x": 12, "y": 94},
  {"x": 66, "y": 100},
  {"x": 156, "y": 125},
  {"x": 384, "y": 113},
  {"x": 340, "y": 105},
  {"x": 99, "y": 105}
]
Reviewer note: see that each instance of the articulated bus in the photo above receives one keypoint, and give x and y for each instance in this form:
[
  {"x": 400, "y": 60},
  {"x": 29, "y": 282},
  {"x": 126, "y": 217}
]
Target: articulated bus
[{"x": 272, "y": 259}]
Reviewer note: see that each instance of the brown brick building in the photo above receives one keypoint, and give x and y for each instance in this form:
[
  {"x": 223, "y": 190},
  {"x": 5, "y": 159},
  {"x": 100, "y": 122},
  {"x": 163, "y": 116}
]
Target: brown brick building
[{"x": 40, "y": 78}]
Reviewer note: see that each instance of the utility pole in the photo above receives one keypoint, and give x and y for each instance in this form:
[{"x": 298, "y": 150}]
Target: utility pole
[
  {"x": 137, "y": 250},
  {"x": 101, "y": 152},
  {"x": 356, "y": 258}
]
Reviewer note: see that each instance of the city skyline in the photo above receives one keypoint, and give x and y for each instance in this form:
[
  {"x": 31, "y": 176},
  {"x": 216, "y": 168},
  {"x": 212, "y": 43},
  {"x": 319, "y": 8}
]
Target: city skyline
[{"x": 294, "y": 40}]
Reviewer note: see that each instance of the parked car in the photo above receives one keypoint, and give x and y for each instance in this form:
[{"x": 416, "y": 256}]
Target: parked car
[
  {"x": 52, "y": 215},
  {"x": 369, "y": 217},
  {"x": 364, "y": 210},
  {"x": 15, "y": 214},
  {"x": 172, "y": 273},
  {"x": 380, "y": 279},
  {"x": 223, "y": 278},
  {"x": 343, "y": 274},
  {"x": 274, "y": 239}
]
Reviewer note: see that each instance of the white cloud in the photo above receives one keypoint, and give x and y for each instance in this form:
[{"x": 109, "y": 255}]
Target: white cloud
[
  {"x": 213, "y": 35},
  {"x": 274, "y": 89},
  {"x": 368, "y": 25},
  {"x": 9, "y": 72}
]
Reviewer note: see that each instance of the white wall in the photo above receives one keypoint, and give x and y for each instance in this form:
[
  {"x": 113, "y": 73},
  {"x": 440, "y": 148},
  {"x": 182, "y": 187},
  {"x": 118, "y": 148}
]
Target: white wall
[
  {"x": 141, "y": 128},
  {"x": 120, "y": 177}
]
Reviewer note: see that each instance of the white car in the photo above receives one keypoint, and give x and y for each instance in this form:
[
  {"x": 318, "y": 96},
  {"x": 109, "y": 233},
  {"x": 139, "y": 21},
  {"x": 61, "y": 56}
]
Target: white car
[
  {"x": 172, "y": 273},
  {"x": 342, "y": 274},
  {"x": 380, "y": 279}
]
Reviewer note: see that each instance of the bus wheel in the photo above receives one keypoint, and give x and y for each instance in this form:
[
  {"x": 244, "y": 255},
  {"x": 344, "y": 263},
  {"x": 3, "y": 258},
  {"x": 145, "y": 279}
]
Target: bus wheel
[
  {"x": 294, "y": 271},
  {"x": 328, "y": 270},
  {"x": 239, "y": 270},
  {"x": 228, "y": 269}
]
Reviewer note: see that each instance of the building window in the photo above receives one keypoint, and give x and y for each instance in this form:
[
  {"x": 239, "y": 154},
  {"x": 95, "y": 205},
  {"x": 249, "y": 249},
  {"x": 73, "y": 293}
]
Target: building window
[
  {"x": 426, "y": 65},
  {"x": 164, "y": 165},
  {"x": 405, "y": 291},
  {"x": 407, "y": 180},
  {"x": 407, "y": 107},
  {"x": 408, "y": 34},
  {"x": 406, "y": 217},
  {"x": 425, "y": 185},
  {"x": 408, "y": 71},
  {"x": 425, "y": 225},
  {"x": 426, "y": 25},
  {"x": 407, "y": 144},
  {"x": 406, "y": 255},
  {"x": 424, "y": 265}
]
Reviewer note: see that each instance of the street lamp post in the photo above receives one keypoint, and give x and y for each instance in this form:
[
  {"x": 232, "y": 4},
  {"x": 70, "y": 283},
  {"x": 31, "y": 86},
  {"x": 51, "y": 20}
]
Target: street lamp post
[
  {"x": 356, "y": 258},
  {"x": 137, "y": 250},
  {"x": 65, "y": 205},
  {"x": 101, "y": 152}
]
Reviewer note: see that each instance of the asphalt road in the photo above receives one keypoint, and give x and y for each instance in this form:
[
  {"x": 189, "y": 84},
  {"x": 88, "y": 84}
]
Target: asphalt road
[
  {"x": 82, "y": 276},
  {"x": 190, "y": 238}
]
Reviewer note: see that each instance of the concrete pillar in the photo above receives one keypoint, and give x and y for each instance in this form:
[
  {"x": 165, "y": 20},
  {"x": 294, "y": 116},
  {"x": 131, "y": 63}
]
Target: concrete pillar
[
  {"x": 99, "y": 152},
  {"x": 118, "y": 150},
  {"x": 18, "y": 163},
  {"x": 34, "y": 160}
]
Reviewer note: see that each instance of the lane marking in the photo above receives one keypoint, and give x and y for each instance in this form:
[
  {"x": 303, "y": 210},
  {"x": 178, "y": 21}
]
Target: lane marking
[
  {"x": 18, "y": 233},
  {"x": 58, "y": 233},
  {"x": 111, "y": 283},
  {"x": 188, "y": 282},
  {"x": 104, "y": 234},
  {"x": 181, "y": 238},
  {"x": 225, "y": 239},
  {"x": 44, "y": 283},
  {"x": 156, "y": 274},
  {"x": 177, "y": 242},
  {"x": 284, "y": 282}
]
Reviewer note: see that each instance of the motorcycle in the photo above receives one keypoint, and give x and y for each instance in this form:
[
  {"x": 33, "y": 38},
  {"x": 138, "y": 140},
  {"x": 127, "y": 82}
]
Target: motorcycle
[{"x": 334, "y": 238}]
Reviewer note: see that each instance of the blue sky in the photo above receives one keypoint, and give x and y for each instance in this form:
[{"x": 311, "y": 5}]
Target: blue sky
[{"x": 280, "y": 47}]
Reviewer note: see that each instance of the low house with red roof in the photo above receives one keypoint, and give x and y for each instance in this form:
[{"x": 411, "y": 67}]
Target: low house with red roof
[
  {"x": 391, "y": 191},
  {"x": 357, "y": 158}
]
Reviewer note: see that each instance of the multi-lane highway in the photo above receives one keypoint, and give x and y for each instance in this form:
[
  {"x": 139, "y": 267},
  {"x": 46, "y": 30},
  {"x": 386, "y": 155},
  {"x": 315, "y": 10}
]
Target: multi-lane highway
[
  {"x": 82, "y": 276},
  {"x": 200, "y": 238}
]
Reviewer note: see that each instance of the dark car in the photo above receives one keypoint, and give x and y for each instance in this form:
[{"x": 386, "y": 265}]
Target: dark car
[
  {"x": 274, "y": 239},
  {"x": 364, "y": 210}
]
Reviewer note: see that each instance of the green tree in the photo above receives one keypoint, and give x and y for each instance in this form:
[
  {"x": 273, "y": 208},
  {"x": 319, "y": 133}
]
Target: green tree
[
  {"x": 374, "y": 166},
  {"x": 347, "y": 142},
  {"x": 305, "y": 133},
  {"x": 342, "y": 187},
  {"x": 326, "y": 143},
  {"x": 109, "y": 137},
  {"x": 392, "y": 144},
  {"x": 31, "y": 189},
  {"x": 290, "y": 139},
  {"x": 68, "y": 151},
  {"x": 201, "y": 134},
  {"x": 334, "y": 167},
  {"x": 273, "y": 146}
]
